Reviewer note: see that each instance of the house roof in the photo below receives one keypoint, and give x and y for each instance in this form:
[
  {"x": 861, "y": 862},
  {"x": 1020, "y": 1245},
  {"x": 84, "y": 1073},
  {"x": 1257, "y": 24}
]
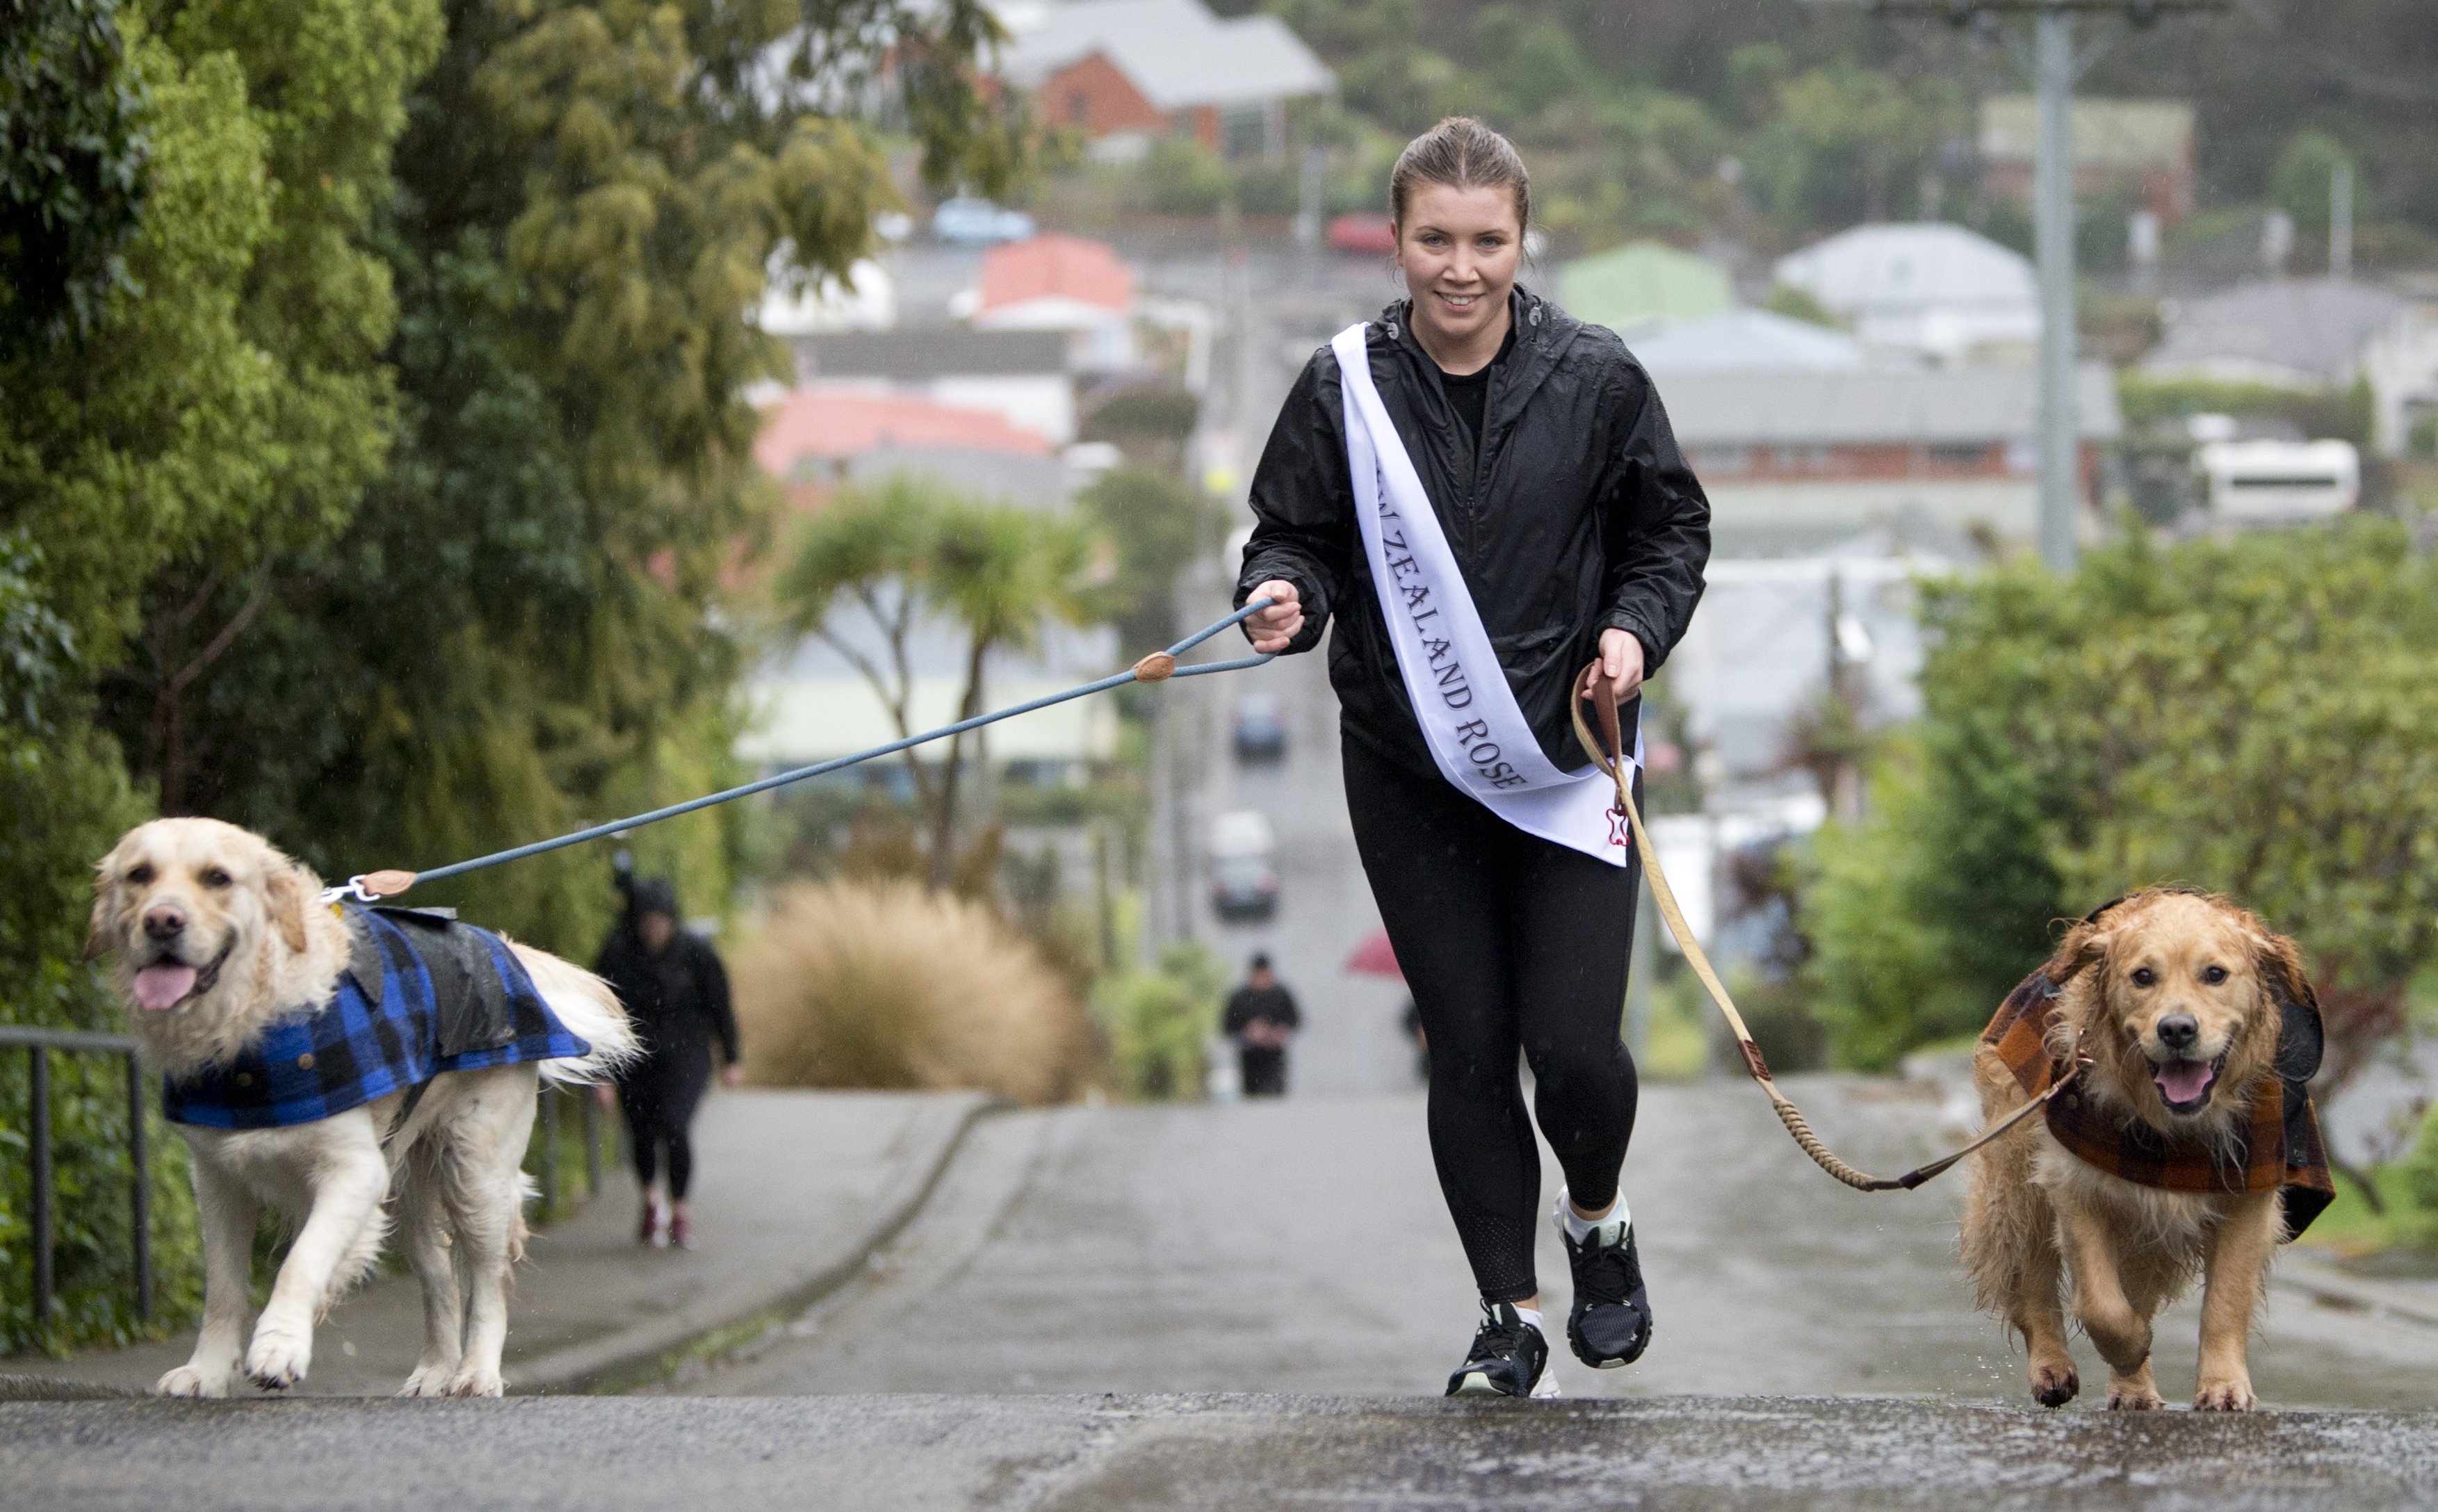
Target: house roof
[
  {"x": 1953, "y": 405},
  {"x": 916, "y": 356},
  {"x": 1742, "y": 341},
  {"x": 820, "y": 424},
  {"x": 2304, "y": 325},
  {"x": 1055, "y": 267},
  {"x": 2108, "y": 133},
  {"x": 1888, "y": 268},
  {"x": 1176, "y": 52},
  {"x": 1642, "y": 280}
]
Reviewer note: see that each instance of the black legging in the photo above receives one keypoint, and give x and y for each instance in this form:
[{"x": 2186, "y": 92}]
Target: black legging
[
  {"x": 1507, "y": 940},
  {"x": 660, "y": 1106}
]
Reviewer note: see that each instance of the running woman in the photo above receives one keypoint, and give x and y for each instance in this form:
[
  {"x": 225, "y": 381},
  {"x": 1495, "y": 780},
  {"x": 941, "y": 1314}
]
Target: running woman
[{"x": 1485, "y": 492}]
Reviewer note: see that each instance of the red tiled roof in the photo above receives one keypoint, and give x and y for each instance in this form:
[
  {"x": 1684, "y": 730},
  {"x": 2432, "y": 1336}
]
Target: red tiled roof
[
  {"x": 829, "y": 424},
  {"x": 1053, "y": 267}
]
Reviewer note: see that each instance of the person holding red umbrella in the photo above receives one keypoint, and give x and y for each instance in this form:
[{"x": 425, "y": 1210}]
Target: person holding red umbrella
[{"x": 1485, "y": 493}]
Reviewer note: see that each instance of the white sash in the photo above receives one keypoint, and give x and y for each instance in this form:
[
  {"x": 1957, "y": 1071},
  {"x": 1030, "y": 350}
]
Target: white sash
[{"x": 1475, "y": 729}]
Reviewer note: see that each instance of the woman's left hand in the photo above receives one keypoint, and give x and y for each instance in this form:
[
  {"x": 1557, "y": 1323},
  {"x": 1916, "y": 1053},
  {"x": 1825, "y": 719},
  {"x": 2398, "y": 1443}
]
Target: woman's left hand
[
  {"x": 1619, "y": 669},
  {"x": 733, "y": 1075}
]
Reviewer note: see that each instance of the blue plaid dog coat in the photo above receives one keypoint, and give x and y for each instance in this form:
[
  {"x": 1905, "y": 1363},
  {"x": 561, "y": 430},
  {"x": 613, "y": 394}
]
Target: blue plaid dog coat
[{"x": 421, "y": 994}]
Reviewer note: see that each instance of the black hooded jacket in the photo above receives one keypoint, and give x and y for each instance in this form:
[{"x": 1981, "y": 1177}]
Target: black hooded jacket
[{"x": 1574, "y": 515}]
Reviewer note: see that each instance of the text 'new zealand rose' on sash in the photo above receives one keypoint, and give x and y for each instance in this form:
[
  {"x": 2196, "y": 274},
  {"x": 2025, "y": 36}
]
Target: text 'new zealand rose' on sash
[{"x": 1471, "y": 722}]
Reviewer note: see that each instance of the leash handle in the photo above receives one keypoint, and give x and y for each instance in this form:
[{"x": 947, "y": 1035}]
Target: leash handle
[{"x": 1609, "y": 756}]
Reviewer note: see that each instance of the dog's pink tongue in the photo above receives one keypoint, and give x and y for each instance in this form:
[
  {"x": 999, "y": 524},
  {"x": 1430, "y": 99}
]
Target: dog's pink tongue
[
  {"x": 159, "y": 987},
  {"x": 2183, "y": 1081}
]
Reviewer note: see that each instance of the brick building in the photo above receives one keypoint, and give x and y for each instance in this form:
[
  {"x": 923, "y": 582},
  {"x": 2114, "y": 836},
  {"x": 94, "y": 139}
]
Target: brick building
[{"x": 1125, "y": 72}]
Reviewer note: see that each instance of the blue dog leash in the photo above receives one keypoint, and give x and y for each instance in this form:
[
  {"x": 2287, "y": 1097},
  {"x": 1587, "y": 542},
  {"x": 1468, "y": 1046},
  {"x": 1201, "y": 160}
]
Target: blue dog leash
[{"x": 1158, "y": 667}]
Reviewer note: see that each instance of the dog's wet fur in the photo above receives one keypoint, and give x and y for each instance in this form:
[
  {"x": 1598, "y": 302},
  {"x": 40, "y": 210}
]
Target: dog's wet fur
[
  {"x": 2174, "y": 999},
  {"x": 214, "y": 936}
]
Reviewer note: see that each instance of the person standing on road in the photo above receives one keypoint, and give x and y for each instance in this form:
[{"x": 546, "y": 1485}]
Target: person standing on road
[
  {"x": 1486, "y": 494},
  {"x": 1262, "y": 1018},
  {"x": 675, "y": 990}
]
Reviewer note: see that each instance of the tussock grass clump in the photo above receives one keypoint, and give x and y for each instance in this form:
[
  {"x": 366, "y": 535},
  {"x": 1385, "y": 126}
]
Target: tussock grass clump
[{"x": 882, "y": 984}]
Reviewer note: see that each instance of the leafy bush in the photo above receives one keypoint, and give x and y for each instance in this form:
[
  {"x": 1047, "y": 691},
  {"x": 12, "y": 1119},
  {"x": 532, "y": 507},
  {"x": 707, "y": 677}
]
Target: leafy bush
[
  {"x": 2343, "y": 415},
  {"x": 2253, "y": 715},
  {"x": 884, "y": 985},
  {"x": 1159, "y": 1022},
  {"x": 2419, "y": 1169},
  {"x": 1180, "y": 176}
]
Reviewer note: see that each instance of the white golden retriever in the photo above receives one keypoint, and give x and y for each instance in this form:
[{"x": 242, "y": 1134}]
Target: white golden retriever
[{"x": 217, "y": 936}]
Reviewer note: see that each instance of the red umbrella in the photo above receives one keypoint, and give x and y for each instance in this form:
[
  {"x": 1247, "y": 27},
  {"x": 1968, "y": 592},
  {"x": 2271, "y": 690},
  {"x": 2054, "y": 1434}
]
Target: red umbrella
[{"x": 1375, "y": 957}]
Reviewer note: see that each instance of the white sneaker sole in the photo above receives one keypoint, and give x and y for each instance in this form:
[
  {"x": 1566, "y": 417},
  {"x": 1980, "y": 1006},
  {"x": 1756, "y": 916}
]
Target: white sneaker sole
[{"x": 1478, "y": 1385}]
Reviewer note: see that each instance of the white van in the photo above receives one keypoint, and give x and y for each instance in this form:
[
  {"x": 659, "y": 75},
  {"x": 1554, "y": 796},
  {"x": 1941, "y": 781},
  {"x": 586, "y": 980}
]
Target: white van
[{"x": 2278, "y": 481}]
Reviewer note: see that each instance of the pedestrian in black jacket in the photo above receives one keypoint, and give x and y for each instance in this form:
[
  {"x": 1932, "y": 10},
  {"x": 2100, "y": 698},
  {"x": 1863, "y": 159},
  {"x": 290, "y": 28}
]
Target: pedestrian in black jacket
[
  {"x": 676, "y": 993},
  {"x": 1262, "y": 1017},
  {"x": 1547, "y": 520}
]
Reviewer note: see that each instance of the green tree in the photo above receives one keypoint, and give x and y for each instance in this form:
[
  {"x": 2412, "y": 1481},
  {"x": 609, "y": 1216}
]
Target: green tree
[
  {"x": 72, "y": 154},
  {"x": 1847, "y": 143},
  {"x": 2304, "y": 178},
  {"x": 228, "y": 393},
  {"x": 517, "y": 633},
  {"x": 2253, "y": 716},
  {"x": 1153, "y": 524},
  {"x": 915, "y": 549}
]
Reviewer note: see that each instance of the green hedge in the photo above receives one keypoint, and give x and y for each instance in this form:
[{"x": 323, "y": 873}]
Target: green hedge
[{"x": 2253, "y": 715}]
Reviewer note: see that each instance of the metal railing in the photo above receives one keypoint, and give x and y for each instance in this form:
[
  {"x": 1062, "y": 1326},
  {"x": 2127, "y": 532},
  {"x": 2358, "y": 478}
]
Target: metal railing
[
  {"x": 597, "y": 1133},
  {"x": 40, "y": 1043}
]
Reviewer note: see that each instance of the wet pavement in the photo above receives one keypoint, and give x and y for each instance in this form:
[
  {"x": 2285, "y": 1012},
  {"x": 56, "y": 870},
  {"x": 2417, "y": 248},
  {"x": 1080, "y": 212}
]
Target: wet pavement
[
  {"x": 1074, "y": 1453},
  {"x": 1301, "y": 1246}
]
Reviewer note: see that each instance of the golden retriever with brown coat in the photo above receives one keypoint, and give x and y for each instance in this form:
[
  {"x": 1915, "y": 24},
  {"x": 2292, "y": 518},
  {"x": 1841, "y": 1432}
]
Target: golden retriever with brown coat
[{"x": 2174, "y": 999}]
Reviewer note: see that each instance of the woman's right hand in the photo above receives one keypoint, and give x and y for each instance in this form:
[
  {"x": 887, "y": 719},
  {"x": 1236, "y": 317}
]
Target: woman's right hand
[{"x": 1272, "y": 629}]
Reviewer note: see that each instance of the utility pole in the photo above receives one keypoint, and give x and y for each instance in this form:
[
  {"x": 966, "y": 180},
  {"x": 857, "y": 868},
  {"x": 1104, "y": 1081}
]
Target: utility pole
[
  {"x": 2054, "y": 67},
  {"x": 2053, "y": 245},
  {"x": 2340, "y": 222}
]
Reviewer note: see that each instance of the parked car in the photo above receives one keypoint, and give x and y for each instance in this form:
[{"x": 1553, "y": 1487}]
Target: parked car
[
  {"x": 1363, "y": 232},
  {"x": 1244, "y": 873},
  {"x": 1260, "y": 723},
  {"x": 1244, "y": 888},
  {"x": 969, "y": 221}
]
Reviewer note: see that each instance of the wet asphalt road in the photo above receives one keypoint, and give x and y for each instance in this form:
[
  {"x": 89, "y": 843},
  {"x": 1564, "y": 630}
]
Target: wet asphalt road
[
  {"x": 1073, "y": 1454},
  {"x": 1016, "y": 1349},
  {"x": 1302, "y": 1247}
]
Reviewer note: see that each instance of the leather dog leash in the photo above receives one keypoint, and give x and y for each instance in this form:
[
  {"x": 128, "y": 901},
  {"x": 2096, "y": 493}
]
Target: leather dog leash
[{"x": 1610, "y": 760}]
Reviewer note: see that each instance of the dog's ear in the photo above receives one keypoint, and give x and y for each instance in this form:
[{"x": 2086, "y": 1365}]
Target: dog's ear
[
  {"x": 2302, "y": 1039},
  {"x": 2085, "y": 945},
  {"x": 287, "y": 890}
]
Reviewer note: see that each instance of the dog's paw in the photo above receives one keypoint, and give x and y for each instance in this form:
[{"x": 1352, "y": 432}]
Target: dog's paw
[
  {"x": 2135, "y": 1397},
  {"x": 2230, "y": 1395},
  {"x": 2055, "y": 1385},
  {"x": 470, "y": 1381},
  {"x": 428, "y": 1380},
  {"x": 187, "y": 1380},
  {"x": 278, "y": 1359}
]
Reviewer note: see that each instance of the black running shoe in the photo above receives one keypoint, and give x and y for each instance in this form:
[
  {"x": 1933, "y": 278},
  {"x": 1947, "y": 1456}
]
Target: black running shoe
[
  {"x": 1508, "y": 1358},
  {"x": 1610, "y": 1322}
]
